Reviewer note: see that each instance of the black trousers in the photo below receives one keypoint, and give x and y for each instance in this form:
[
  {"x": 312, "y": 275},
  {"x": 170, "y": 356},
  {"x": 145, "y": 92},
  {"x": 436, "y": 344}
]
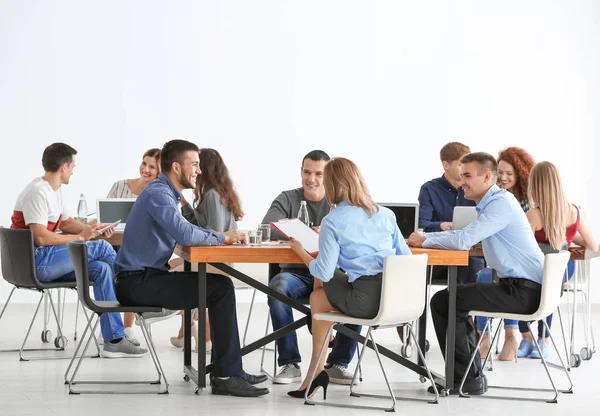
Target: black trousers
[
  {"x": 509, "y": 295},
  {"x": 179, "y": 290},
  {"x": 464, "y": 274}
]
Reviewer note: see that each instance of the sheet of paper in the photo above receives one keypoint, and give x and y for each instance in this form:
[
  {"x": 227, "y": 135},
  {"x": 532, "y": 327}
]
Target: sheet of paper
[{"x": 301, "y": 232}]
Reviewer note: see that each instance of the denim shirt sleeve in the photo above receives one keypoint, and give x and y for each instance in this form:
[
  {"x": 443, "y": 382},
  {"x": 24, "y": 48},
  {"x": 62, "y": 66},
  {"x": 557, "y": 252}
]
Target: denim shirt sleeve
[
  {"x": 426, "y": 211},
  {"x": 323, "y": 267},
  {"x": 492, "y": 218},
  {"x": 163, "y": 209}
]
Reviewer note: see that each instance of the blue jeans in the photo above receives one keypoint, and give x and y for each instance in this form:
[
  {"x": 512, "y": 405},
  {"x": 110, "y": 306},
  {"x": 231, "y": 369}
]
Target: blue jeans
[
  {"x": 54, "y": 263},
  {"x": 297, "y": 284},
  {"x": 485, "y": 276}
]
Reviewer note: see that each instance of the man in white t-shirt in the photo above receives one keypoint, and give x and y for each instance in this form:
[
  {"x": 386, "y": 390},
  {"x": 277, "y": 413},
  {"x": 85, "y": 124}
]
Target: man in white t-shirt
[{"x": 40, "y": 208}]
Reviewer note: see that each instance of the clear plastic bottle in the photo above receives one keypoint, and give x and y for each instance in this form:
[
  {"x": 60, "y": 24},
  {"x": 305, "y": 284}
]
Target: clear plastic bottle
[
  {"x": 303, "y": 213},
  {"x": 82, "y": 211}
]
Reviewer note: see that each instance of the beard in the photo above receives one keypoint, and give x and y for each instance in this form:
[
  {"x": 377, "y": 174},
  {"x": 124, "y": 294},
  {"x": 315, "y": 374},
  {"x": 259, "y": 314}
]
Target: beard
[{"x": 185, "y": 183}]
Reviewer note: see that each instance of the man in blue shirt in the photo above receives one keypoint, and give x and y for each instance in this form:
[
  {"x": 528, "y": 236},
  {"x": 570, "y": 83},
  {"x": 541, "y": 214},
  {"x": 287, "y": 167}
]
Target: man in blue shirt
[
  {"x": 510, "y": 249},
  {"x": 154, "y": 226},
  {"x": 437, "y": 199}
]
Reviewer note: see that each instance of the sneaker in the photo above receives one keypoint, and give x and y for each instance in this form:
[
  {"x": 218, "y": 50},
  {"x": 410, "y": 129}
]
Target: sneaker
[
  {"x": 543, "y": 346},
  {"x": 123, "y": 349},
  {"x": 152, "y": 317},
  {"x": 338, "y": 374},
  {"x": 525, "y": 348},
  {"x": 131, "y": 336},
  {"x": 290, "y": 373}
]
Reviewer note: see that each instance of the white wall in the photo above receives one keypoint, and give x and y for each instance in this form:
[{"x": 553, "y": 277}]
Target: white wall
[{"x": 385, "y": 83}]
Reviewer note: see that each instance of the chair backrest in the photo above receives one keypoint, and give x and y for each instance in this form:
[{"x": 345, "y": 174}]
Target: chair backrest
[
  {"x": 18, "y": 257},
  {"x": 554, "y": 270},
  {"x": 79, "y": 257},
  {"x": 403, "y": 288}
]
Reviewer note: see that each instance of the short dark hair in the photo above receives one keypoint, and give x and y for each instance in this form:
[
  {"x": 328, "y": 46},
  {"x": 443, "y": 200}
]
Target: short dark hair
[
  {"x": 56, "y": 155},
  {"x": 316, "y": 155},
  {"x": 485, "y": 161},
  {"x": 453, "y": 151},
  {"x": 173, "y": 151}
]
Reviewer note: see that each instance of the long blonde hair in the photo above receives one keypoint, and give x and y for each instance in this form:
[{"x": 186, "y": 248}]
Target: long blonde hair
[
  {"x": 546, "y": 192},
  {"x": 344, "y": 182}
]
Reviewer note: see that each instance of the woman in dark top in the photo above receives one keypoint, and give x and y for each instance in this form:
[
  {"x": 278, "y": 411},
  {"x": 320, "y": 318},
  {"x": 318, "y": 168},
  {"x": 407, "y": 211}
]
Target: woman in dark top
[{"x": 217, "y": 207}]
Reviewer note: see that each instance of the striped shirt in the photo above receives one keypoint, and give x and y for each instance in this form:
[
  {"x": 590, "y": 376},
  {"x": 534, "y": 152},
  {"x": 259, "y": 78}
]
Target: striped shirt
[{"x": 121, "y": 190}]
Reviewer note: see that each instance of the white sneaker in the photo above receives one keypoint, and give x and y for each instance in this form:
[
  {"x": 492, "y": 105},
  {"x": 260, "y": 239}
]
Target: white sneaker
[
  {"x": 338, "y": 374},
  {"x": 123, "y": 349},
  {"x": 290, "y": 373},
  {"x": 131, "y": 336}
]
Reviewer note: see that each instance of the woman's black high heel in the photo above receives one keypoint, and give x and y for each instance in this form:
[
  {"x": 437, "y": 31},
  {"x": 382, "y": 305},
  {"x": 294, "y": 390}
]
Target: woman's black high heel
[{"x": 322, "y": 380}]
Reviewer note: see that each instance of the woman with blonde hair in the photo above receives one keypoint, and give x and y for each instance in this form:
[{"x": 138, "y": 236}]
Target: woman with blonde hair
[
  {"x": 356, "y": 235},
  {"x": 558, "y": 223}
]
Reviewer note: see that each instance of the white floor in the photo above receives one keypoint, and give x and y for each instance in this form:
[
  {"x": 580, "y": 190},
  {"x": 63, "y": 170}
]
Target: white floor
[{"x": 36, "y": 387}]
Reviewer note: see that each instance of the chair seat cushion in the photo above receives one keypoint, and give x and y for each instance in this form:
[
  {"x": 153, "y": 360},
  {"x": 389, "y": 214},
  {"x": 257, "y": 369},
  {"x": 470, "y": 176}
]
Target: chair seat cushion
[
  {"x": 114, "y": 306},
  {"x": 345, "y": 319},
  {"x": 506, "y": 315}
]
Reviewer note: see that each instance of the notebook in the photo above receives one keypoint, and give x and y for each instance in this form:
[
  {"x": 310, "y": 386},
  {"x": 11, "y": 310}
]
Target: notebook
[
  {"x": 114, "y": 209},
  {"x": 298, "y": 230},
  {"x": 407, "y": 216}
]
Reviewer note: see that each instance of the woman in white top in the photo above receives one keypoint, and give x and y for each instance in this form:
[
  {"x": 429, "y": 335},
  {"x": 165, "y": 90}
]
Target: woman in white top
[
  {"x": 131, "y": 188},
  {"x": 149, "y": 171}
]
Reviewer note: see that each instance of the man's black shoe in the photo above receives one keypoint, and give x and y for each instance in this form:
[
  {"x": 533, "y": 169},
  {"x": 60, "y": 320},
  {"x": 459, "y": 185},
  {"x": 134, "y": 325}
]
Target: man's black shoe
[
  {"x": 254, "y": 379},
  {"x": 236, "y": 386},
  {"x": 474, "y": 387}
]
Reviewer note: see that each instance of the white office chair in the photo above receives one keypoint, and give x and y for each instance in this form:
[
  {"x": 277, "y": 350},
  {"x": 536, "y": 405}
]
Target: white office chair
[
  {"x": 402, "y": 301},
  {"x": 554, "y": 268}
]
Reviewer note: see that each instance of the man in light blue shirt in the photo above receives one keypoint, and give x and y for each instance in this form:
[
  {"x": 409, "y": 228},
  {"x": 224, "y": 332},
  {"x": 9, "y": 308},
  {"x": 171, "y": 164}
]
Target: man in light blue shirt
[{"x": 509, "y": 247}]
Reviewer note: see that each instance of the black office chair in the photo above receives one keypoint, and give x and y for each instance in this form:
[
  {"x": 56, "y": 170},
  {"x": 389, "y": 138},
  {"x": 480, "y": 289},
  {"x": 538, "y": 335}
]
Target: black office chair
[
  {"x": 18, "y": 269},
  {"x": 79, "y": 256}
]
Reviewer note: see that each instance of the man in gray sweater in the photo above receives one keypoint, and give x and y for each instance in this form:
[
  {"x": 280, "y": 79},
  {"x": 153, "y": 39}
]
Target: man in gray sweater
[{"x": 295, "y": 281}]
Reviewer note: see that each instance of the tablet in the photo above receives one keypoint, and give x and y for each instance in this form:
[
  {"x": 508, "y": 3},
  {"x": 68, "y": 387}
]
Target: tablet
[{"x": 108, "y": 227}]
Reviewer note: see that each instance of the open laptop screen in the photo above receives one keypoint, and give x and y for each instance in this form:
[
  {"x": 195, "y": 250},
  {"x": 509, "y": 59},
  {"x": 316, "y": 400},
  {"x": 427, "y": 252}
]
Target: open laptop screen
[
  {"x": 407, "y": 216},
  {"x": 113, "y": 209}
]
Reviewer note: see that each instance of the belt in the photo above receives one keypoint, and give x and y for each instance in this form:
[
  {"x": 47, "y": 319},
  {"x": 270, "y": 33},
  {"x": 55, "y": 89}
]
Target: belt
[
  {"x": 129, "y": 273},
  {"x": 522, "y": 282}
]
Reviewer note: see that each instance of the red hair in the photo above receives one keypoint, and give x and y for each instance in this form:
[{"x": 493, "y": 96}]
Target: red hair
[{"x": 522, "y": 162}]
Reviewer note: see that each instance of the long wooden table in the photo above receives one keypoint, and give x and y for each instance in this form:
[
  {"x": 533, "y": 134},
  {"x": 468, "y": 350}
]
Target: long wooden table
[{"x": 218, "y": 256}]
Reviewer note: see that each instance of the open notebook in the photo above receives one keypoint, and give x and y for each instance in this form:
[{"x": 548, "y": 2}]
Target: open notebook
[{"x": 298, "y": 230}]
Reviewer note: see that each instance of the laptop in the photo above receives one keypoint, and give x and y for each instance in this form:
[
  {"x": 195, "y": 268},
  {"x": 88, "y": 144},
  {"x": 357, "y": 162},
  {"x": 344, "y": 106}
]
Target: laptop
[
  {"x": 463, "y": 216},
  {"x": 407, "y": 216},
  {"x": 110, "y": 210}
]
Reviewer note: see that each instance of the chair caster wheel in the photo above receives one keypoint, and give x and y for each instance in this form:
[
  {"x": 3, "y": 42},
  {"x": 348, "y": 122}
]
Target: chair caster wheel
[
  {"x": 46, "y": 336},
  {"x": 422, "y": 379},
  {"x": 427, "y": 345},
  {"x": 575, "y": 360},
  {"x": 197, "y": 391},
  {"x": 186, "y": 378},
  {"x": 60, "y": 342},
  {"x": 586, "y": 353},
  {"x": 406, "y": 351}
]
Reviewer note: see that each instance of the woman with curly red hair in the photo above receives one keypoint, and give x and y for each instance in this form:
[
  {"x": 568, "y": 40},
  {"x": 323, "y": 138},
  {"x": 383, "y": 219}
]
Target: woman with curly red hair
[{"x": 514, "y": 165}]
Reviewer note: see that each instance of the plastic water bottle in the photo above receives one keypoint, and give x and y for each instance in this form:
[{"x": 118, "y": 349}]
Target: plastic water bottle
[
  {"x": 82, "y": 211},
  {"x": 303, "y": 213}
]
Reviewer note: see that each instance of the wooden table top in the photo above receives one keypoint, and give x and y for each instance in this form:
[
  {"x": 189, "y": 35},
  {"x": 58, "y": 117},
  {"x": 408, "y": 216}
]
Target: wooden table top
[{"x": 282, "y": 253}]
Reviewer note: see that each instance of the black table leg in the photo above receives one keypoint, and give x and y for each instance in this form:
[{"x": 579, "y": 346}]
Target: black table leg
[
  {"x": 422, "y": 325},
  {"x": 451, "y": 331}
]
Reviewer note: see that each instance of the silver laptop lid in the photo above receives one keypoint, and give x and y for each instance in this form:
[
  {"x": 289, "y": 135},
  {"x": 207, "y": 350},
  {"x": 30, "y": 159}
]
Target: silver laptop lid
[
  {"x": 463, "y": 216},
  {"x": 112, "y": 209},
  {"x": 407, "y": 216}
]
